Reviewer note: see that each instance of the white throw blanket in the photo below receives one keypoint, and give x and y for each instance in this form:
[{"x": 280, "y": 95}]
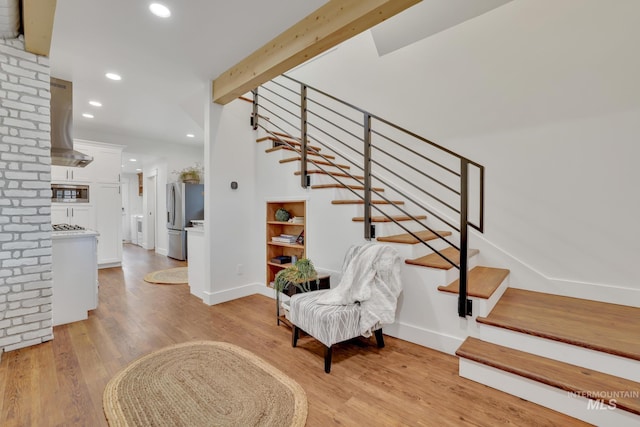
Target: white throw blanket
[{"x": 371, "y": 277}]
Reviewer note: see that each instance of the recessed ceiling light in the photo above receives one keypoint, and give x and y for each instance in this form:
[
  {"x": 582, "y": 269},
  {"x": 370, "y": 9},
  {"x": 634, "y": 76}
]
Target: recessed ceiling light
[
  {"x": 87, "y": 115},
  {"x": 138, "y": 170},
  {"x": 160, "y": 10},
  {"x": 133, "y": 160},
  {"x": 190, "y": 135},
  {"x": 95, "y": 103},
  {"x": 113, "y": 76}
]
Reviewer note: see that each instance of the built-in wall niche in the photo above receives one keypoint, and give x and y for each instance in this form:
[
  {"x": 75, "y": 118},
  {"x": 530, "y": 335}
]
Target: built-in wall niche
[{"x": 140, "y": 181}]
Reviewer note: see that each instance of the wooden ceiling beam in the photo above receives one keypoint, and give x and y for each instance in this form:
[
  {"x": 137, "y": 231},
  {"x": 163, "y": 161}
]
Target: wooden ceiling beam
[
  {"x": 330, "y": 25},
  {"x": 37, "y": 22}
]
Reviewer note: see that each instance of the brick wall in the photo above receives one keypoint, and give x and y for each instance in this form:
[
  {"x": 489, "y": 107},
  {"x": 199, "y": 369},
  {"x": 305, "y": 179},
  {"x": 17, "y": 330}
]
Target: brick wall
[{"x": 25, "y": 198}]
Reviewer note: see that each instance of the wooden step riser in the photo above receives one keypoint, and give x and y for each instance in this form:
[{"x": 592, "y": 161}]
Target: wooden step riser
[
  {"x": 318, "y": 179},
  {"x": 325, "y": 164},
  {"x": 567, "y": 353},
  {"x": 417, "y": 250},
  {"x": 544, "y": 395},
  {"x": 286, "y": 154},
  {"x": 391, "y": 229},
  {"x": 481, "y": 306}
]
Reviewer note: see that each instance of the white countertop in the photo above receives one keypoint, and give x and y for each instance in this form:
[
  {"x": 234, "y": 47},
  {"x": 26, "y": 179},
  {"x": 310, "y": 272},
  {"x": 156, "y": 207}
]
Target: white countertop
[
  {"x": 199, "y": 230},
  {"x": 75, "y": 234}
]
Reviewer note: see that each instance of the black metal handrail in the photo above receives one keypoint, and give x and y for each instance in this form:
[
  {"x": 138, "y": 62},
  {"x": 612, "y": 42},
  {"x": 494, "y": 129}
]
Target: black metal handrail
[{"x": 361, "y": 144}]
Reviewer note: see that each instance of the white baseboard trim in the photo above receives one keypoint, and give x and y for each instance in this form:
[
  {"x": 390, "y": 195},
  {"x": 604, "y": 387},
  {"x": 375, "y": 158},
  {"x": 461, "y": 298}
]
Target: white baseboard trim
[
  {"x": 424, "y": 337},
  {"x": 526, "y": 276},
  {"x": 109, "y": 265},
  {"x": 596, "y": 413},
  {"x": 218, "y": 297},
  {"x": 162, "y": 251}
]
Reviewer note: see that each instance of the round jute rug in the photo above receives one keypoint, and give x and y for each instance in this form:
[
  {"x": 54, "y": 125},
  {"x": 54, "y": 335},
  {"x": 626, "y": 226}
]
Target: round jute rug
[
  {"x": 203, "y": 383},
  {"x": 172, "y": 276}
]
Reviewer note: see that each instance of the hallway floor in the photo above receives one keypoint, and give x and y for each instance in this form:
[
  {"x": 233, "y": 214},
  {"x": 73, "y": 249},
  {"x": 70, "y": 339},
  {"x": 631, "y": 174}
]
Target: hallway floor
[{"x": 60, "y": 383}]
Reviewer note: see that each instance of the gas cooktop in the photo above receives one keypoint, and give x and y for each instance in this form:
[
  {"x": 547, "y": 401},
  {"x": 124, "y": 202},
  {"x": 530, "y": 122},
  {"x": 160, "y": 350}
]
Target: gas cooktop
[{"x": 67, "y": 227}]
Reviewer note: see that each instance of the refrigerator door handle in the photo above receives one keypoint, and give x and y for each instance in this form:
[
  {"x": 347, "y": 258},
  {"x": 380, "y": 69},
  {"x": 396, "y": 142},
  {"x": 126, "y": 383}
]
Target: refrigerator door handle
[{"x": 173, "y": 200}]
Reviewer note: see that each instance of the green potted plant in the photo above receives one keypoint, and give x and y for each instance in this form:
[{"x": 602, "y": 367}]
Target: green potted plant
[
  {"x": 300, "y": 275},
  {"x": 190, "y": 174}
]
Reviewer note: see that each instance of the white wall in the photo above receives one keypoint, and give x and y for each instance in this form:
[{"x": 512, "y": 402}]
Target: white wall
[
  {"x": 175, "y": 158},
  {"x": 232, "y": 217},
  {"x": 543, "y": 94},
  {"x": 132, "y": 204}
]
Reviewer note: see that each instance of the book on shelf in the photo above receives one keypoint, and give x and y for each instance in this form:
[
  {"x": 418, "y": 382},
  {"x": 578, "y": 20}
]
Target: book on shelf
[
  {"x": 279, "y": 239},
  {"x": 282, "y": 259},
  {"x": 297, "y": 220}
]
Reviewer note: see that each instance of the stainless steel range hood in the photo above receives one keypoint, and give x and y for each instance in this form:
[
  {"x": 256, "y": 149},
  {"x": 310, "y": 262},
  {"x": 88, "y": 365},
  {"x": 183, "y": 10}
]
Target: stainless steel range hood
[{"x": 62, "y": 152}]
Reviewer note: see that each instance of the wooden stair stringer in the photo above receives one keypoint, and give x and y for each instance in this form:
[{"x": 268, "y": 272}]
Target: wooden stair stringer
[{"x": 564, "y": 377}]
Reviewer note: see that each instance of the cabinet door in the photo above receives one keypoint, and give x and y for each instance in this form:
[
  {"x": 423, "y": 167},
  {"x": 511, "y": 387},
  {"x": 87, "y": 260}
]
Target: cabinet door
[
  {"x": 106, "y": 165},
  {"x": 59, "y": 173},
  {"x": 82, "y": 215},
  {"x": 59, "y": 214},
  {"x": 85, "y": 174},
  {"x": 108, "y": 204}
]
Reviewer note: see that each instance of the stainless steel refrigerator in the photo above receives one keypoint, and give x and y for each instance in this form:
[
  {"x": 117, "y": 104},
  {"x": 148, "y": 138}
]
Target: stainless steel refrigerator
[{"x": 185, "y": 202}]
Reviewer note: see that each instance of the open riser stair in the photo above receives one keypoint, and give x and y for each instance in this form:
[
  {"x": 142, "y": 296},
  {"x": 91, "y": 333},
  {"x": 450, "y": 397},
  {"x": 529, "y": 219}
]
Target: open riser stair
[{"x": 540, "y": 347}]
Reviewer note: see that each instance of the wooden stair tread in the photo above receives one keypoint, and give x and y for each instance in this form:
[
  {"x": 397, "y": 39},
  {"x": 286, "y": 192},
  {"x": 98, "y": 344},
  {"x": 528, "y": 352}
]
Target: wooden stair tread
[
  {"x": 408, "y": 239},
  {"x": 319, "y": 162},
  {"x": 321, "y": 172},
  {"x": 383, "y": 218},
  {"x": 361, "y": 202},
  {"x": 353, "y": 187},
  {"x": 309, "y": 153},
  {"x": 288, "y": 141},
  {"x": 610, "y": 328},
  {"x": 434, "y": 260},
  {"x": 570, "y": 378},
  {"x": 482, "y": 282}
]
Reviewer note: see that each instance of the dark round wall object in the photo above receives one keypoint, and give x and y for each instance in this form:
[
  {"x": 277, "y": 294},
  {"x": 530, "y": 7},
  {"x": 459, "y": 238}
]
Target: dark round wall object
[{"x": 234, "y": 185}]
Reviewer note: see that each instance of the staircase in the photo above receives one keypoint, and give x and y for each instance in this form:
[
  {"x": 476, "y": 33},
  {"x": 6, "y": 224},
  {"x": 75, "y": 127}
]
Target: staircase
[{"x": 575, "y": 356}]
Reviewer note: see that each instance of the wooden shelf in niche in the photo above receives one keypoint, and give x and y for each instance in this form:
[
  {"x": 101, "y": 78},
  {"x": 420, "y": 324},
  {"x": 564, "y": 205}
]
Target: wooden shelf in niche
[{"x": 275, "y": 228}]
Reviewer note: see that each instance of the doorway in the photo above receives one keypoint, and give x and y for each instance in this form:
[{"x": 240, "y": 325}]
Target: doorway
[{"x": 151, "y": 213}]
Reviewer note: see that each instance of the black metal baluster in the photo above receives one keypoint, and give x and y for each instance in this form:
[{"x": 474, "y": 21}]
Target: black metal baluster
[
  {"x": 464, "y": 305},
  {"x": 367, "y": 177},
  {"x": 254, "y": 112},
  {"x": 304, "y": 177}
]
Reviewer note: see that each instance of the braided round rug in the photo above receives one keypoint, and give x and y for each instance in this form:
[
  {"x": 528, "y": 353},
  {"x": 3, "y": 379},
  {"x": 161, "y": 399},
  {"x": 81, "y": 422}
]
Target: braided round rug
[
  {"x": 172, "y": 276},
  {"x": 203, "y": 383}
]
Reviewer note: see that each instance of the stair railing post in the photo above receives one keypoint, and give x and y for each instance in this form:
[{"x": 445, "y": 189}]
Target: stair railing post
[
  {"x": 304, "y": 177},
  {"x": 367, "y": 176},
  {"x": 464, "y": 306},
  {"x": 254, "y": 111}
]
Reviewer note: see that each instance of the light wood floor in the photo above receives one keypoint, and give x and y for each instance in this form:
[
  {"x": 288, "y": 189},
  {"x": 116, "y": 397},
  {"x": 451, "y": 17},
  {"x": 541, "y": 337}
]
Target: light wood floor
[{"x": 60, "y": 383}]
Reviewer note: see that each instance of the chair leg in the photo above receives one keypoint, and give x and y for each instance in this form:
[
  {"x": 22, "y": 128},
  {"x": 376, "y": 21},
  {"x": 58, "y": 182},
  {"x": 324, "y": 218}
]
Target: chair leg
[
  {"x": 327, "y": 359},
  {"x": 294, "y": 336},
  {"x": 379, "y": 338}
]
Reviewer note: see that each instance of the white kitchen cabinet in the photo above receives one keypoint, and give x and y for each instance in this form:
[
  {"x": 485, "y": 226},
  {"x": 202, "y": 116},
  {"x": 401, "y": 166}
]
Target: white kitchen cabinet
[
  {"x": 106, "y": 165},
  {"x": 108, "y": 204},
  {"x": 197, "y": 261},
  {"x": 75, "y": 276},
  {"x": 74, "y": 214},
  {"x": 66, "y": 174}
]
